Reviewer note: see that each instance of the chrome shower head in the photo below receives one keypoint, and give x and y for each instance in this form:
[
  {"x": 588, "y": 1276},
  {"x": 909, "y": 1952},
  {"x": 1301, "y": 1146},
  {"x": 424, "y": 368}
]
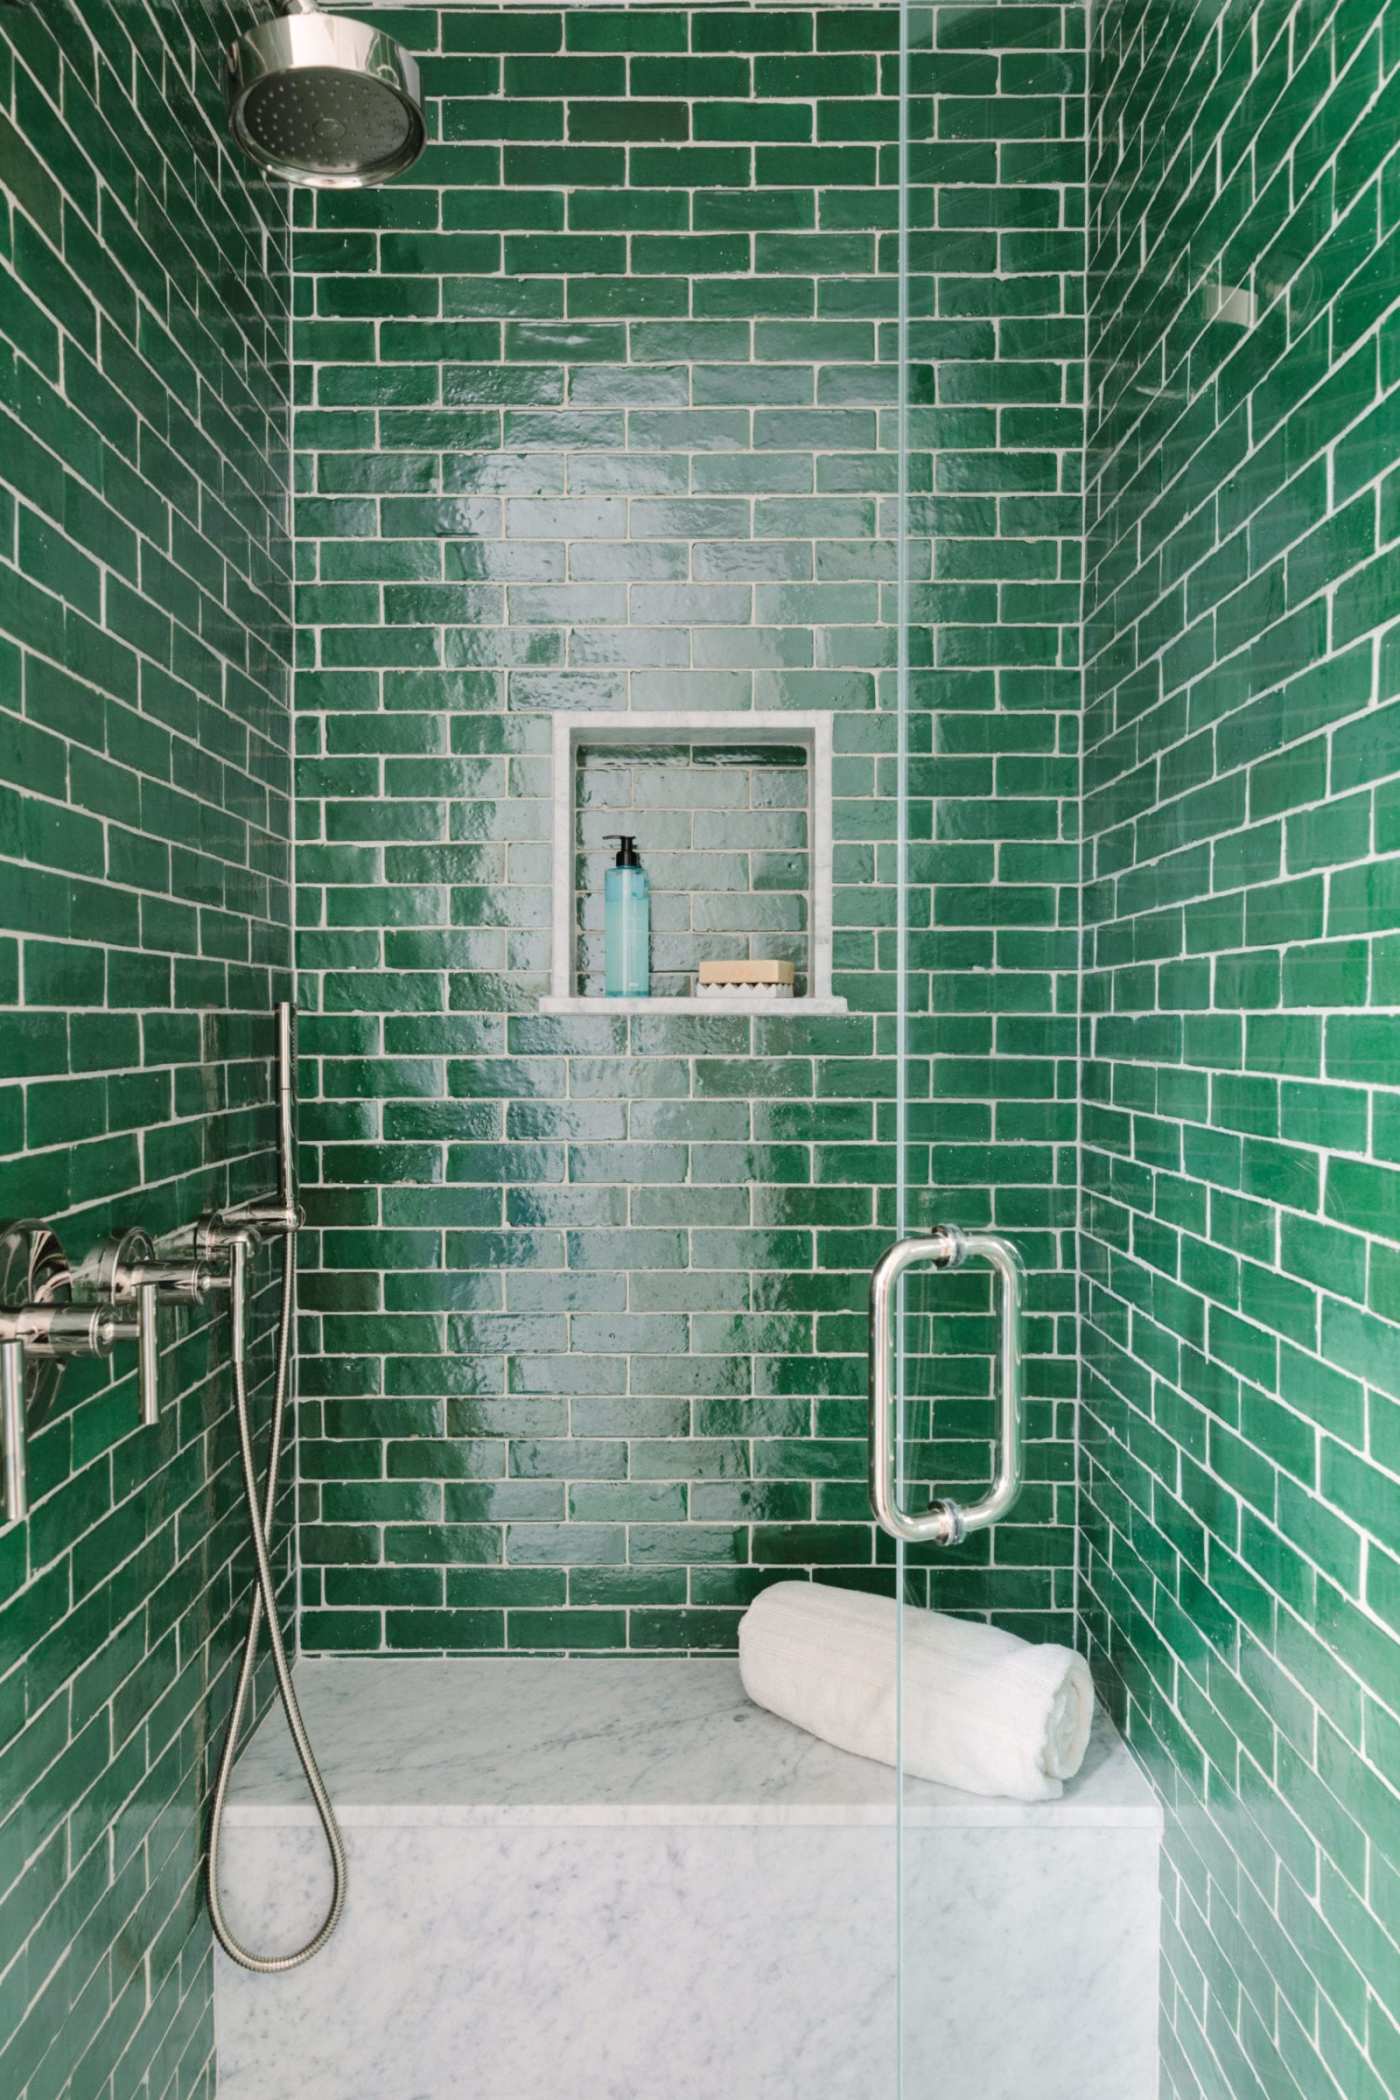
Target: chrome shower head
[{"x": 323, "y": 101}]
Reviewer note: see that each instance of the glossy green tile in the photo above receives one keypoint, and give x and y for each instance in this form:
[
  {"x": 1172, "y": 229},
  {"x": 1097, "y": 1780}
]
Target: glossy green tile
[
  {"x": 1260, "y": 729},
  {"x": 144, "y": 935},
  {"x": 641, "y": 1196}
]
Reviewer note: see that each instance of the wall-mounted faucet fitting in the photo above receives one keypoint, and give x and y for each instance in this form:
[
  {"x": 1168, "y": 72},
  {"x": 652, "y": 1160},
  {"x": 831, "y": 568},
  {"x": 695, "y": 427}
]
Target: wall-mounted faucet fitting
[
  {"x": 208, "y": 1244},
  {"x": 51, "y": 1309},
  {"x": 122, "y": 1272},
  {"x": 219, "y": 1233},
  {"x": 268, "y": 1220},
  {"x": 40, "y": 1329},
  {"x": 284, "y": 1215}
]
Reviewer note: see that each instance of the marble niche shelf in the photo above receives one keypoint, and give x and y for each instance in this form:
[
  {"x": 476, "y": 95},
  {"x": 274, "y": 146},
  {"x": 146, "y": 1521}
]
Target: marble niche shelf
[{"x": 809, "y": 732}]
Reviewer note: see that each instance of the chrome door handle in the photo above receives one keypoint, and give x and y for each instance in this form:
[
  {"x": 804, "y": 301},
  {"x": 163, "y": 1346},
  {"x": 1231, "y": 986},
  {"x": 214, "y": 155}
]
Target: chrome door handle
[{"x": 944, "y": 1523}]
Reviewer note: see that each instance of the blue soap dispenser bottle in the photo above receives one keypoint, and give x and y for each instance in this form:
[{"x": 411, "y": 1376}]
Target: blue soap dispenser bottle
[{"x": 626, "y": 923}]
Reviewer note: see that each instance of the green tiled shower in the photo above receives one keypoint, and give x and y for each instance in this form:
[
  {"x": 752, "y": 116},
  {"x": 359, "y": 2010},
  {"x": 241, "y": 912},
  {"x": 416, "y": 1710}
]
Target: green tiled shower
[
  {"x": 590, "y": 419},
  {"x": 1012, "y": 388}
]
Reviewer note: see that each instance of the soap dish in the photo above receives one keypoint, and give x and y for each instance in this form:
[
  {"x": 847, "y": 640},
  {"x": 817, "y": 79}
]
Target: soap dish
[
  {"x": 747, "y": 991},
  {"x": 763, "y": 980}
]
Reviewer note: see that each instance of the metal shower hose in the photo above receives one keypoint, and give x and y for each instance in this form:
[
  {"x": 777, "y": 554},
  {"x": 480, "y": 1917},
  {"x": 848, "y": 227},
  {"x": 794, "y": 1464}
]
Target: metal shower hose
[{"x": 264, "y": 1604}]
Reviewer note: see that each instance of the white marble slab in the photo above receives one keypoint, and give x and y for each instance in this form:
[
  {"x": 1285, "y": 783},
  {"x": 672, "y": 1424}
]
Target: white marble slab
[
  {"x": 753, "y": 1963},
  {"x": 687, "y": 1003},
  {"x": 568, "y": 1964},
  {"x": 506, "y": 1741},
  {"x": 618, "y": 1881}
]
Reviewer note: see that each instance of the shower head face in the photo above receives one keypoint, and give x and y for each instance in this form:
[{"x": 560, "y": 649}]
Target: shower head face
[{"x": 325, "y": 102}]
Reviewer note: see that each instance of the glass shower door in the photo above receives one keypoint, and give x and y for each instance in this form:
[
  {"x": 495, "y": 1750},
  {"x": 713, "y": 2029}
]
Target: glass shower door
[{"x": 980, "y": 1379}]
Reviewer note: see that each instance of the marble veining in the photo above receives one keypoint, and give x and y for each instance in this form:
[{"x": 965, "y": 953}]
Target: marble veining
[
  {"x": 515, "y": 1741},
  {"x": 754, "y": 1963},
  {"x": 615, "y": 1880},
  {"x": 572, "y": 1964}
]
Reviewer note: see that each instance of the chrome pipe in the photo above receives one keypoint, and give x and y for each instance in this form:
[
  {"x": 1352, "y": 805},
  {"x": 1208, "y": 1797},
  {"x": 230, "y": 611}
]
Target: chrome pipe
[
  {"x": 1005, "y": 1260},
  {"x": 67, "y": 1330},
  {"x": 944, "y": 1522},
  {"x": 122, "y": 1274},
  {"x": 284, "y": 1214},
  {"x": 286, "y": 1104},
  {"x": 177, "y": 1282},
  {"x": 230, "y": 1239},
  {"x": 147, "y": 1354},
  {"x": 264, "y": 1607},
  {"x": 46, "y": 1333},
  {"x": 40, "y": 1330},
  {"x": 12, "y": 1430}
]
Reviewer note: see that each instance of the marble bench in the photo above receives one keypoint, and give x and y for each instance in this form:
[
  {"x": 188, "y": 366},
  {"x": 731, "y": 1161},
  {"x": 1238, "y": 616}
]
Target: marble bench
[{"x": 617, "y": 1880}]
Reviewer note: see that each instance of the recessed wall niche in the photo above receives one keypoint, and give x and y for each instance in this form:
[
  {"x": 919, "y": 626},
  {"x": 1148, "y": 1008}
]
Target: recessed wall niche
[{"x": 732, "y": 817}]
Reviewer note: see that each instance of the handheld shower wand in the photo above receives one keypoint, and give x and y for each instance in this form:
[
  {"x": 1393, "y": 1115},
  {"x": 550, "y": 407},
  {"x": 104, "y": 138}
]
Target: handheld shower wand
[{"x": 227, "y": 1239}]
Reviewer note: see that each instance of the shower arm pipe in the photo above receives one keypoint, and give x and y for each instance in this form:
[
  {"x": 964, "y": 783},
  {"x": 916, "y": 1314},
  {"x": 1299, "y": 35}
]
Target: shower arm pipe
[
  {"x": 286, "y": 1105},
  {"x": 209, "y": 1239},
  {"x": 285, "y": 1214}
]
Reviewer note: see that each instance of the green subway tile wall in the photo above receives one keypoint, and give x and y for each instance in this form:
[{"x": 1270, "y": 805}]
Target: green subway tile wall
[
  {"x": 1241, "y": 1556},
  {"x": 144, "y": 931},
  {"x": 597, "y": 409}
]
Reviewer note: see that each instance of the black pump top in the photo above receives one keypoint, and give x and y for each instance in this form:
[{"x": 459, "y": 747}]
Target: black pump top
[{"x": 626, "y": 849}]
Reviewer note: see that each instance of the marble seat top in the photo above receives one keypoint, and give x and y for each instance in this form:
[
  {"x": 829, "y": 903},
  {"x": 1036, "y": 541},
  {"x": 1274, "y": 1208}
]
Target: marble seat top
[{"x": 515, "y": 1741}]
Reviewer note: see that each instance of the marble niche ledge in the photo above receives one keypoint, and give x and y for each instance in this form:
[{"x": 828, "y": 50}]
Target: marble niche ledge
[
  {"x": 618, "y": 1880},
  {"x": 692, "y": 1003}
]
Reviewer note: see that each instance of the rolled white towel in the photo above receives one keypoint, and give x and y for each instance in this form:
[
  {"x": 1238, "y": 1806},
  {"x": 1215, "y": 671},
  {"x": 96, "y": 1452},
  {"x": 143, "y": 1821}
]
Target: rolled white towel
[{"x": 982, "y": 1709}]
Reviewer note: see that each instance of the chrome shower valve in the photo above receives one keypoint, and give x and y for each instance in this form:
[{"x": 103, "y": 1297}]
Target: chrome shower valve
[
  {"x": 268, "y": 1220},
  {"x": 38, "y": 1333},
  {"x": 124, "y": 1274},
  {"x": 57, "y": 1332},
  {"x": 208, "y": 1245},
  {"x": 40, "y": 1330},
  {"x": 219, "y": 1234}
]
